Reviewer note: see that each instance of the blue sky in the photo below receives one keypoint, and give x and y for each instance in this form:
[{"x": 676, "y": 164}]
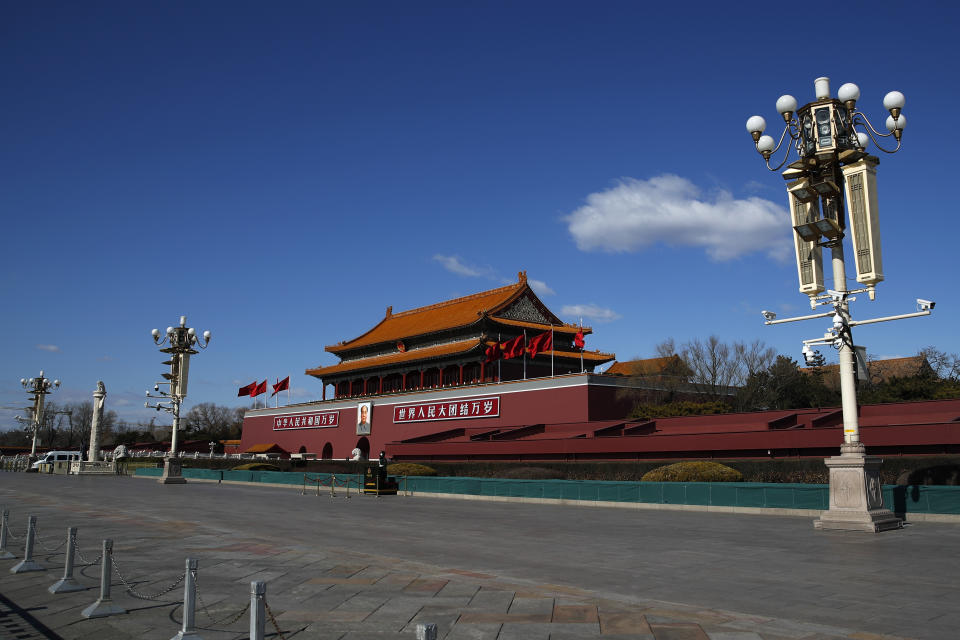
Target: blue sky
[{"x": 280, "y": 173}]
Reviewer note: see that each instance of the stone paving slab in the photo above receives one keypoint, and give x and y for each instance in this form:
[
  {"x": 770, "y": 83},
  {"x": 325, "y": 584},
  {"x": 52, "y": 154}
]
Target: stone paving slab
[{"x": 320, "y": 587}]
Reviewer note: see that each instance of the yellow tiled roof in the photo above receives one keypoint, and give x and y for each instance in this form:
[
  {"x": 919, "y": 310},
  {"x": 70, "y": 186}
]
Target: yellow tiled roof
[{"x": 450, "y": 314}]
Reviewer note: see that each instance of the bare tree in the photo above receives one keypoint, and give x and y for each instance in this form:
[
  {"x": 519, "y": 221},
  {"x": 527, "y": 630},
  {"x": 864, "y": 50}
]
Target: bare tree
[
  {"x": 753, "y": 358},
  {"x": 945, "y": 366},
  {"x": 209, "y": 420},
  {"x": 716, "y": 368}
]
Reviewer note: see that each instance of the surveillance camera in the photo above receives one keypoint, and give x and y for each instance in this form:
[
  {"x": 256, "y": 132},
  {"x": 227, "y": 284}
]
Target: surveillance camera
[
  {"x": 146, "y": 405},
  {"x": 156, "y": 387},
  {"x": 838, "y": 321},
  {"x": 768, "y": 315},
  {"x": 925, "y": 305}
]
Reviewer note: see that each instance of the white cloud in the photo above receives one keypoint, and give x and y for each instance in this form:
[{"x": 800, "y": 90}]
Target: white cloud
[
  {"x": 592, "y": 311},
  {"x": 669, "y": 209},
  {"x": 454, "y": 264},
  {"x": 49, "y": 347},
  {"x": 539, "y": 286}
]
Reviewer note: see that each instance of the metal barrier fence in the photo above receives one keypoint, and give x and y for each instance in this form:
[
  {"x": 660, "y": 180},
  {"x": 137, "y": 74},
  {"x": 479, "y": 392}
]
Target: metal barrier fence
[
  {"x": 104, "y": 606},
  {"x": 14, "y": 463},
  {"x": 331, "y": 480},
  {"x": 913, "y": 499}
]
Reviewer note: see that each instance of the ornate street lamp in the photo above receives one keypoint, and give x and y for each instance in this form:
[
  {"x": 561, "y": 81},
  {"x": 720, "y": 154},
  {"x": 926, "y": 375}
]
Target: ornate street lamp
[
  {"x": 181, "y": 340},
  {"x": 37, "y": 388},
  {"x": 833, "y": 172}
]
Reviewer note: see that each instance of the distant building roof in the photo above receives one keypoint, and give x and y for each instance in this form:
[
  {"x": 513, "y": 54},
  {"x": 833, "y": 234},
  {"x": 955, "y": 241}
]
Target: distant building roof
[
  {"x": 666, "y": 365},
  {"x": 880, "y": 370},
  {"x": 270, "y": 447}
]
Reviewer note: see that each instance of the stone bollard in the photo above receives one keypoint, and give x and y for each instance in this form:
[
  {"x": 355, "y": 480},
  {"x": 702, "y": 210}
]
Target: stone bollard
[
  {"x": 189, "y": 602},
  {"x": 27, "y": 564},
  {"x": 258, "y": 591},
  {"x": 104, "y": 606},
  {"x": 67, "y": 583},
  {"x": 426, "y": 631},
  {"x": 4, "y": 525}
]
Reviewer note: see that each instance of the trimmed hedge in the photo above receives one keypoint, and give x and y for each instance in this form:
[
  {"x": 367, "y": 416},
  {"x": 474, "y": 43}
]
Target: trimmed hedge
[
  {"x": 777, "y": 470},
  {"x": 693, "y": 472},
  {"x": 410, "y": 469}
]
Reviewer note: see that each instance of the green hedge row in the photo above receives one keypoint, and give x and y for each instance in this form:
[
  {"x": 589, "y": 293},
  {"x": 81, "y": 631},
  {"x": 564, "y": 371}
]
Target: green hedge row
[{"x": 796, "y": 470}]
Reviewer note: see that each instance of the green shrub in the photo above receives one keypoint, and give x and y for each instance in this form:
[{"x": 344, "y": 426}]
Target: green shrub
[
  {"x": 943, "y": 474},
  {"x": 410, "y": 469},
  {"x": 693, "y": 472},
  {"x": 256, "y": 466},
  {"x": 646, "y": 411}
]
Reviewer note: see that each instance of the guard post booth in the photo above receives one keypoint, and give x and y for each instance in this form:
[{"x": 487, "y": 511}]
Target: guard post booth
[{"x": 375, "y": 478}]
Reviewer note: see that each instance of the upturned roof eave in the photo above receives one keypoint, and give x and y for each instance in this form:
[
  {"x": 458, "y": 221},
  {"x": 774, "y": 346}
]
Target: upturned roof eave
[{"x": 380, "y": 362}]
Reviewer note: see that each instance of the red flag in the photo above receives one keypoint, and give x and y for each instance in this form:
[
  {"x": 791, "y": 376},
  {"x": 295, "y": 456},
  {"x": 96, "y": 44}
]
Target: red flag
[
  {"x": 260, "y": 388},
  {"x": 540, "y": 343},
  {"x": 493, "y": 353},
  {"x": 578, "y": 339},
  {"x": 512, "y": 348},
  {"x": 280, "y": 386},
  {"x": 247, "y": 390}
]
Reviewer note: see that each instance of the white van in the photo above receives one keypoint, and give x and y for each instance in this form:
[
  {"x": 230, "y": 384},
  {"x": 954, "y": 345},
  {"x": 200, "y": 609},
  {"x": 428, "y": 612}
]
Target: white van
[{"x": 55, "y": 456}]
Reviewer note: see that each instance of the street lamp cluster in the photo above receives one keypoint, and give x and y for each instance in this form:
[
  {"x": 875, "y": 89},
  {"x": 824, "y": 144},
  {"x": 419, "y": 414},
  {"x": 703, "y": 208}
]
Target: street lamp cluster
[
  {"x": 832, "y": 173},
  {"x": 37, "y": 388},
  {"x": 181, "y": 341}
]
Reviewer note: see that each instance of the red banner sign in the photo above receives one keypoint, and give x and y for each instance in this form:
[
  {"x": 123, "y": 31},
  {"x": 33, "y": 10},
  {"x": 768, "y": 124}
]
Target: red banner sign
[
  {"x": 448, "y": 410},
  {"x": 323, "y": 420}
]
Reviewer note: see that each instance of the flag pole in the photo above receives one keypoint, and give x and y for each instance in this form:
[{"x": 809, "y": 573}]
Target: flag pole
[
  {"x": 524, "y": 354},
  {"x": 499, "y": 362},
  {"x": 551, "y": 351},
  {"x": 288, "y": 389},
  {"x": 276, "y": 403},
  {"x": 581, "y": 348}
]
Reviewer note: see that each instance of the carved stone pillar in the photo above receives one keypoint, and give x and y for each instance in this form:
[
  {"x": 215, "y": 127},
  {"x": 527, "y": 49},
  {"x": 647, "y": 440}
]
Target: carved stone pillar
[{"x": 98, "y": 397}]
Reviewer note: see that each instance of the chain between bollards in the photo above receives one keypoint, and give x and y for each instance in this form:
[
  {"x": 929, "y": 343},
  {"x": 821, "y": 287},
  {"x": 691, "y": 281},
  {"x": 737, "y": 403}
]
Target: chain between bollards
[
  {"x": 273, "y": 620},
  {"x": 43, "y": 544},
  {"x": 76, "y": 545},
  {"x": 141, "y": 596},
  {"x": 226, "y": 621}
]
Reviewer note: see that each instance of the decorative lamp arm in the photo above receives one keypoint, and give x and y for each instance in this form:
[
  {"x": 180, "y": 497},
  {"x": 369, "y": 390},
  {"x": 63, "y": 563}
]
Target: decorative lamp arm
[{"x": 859, "y": 118}]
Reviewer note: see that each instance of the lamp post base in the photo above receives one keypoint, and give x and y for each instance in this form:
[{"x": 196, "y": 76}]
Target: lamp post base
[
  {"x": 171, "y": 472},
  {"x": 856, "y": 498}
]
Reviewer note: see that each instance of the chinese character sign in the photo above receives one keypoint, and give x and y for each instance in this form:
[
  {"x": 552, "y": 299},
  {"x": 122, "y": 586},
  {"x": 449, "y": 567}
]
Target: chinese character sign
[
  {"x": 448, "y": 410},
  {"x": 324, "y": 420}
]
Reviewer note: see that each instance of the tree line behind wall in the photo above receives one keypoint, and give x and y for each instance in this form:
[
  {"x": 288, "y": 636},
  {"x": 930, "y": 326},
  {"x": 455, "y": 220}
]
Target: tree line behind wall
[
  {"x": 67, "y": 427},
  {"x": 711, "y": 376}
]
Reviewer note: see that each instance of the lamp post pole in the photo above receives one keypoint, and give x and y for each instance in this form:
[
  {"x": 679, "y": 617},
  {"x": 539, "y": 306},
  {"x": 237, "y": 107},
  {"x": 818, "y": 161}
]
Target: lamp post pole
[
  {"x": 37, "y": 388},
  {"x": 834, "y": 173},
  {"x": 181, "y": 340}
]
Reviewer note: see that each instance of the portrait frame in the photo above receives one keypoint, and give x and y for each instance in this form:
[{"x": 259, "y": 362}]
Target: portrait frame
[{"x": 364, "y": 409}]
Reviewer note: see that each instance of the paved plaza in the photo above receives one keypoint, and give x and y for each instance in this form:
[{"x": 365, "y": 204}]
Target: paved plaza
[{"x": 373, "y": 568}]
